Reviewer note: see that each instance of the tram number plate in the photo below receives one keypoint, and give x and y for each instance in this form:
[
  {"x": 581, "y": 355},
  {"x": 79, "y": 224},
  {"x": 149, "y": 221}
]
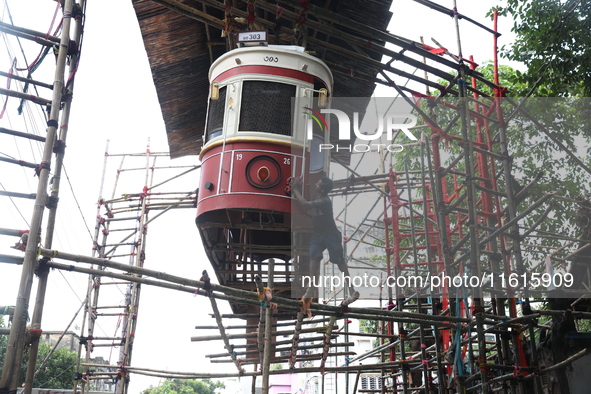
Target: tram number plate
[{"x": 252, "y": 36}]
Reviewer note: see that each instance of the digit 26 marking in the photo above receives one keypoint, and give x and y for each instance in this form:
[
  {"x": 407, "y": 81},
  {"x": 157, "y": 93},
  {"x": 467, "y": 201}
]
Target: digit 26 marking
[{"x": 286, "y": 160}]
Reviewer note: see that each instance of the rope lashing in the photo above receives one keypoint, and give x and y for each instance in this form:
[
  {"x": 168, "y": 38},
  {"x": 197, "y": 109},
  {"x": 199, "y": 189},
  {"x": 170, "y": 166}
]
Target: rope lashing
[
  {"x": 484, "y": 367},
  {"x": 250, "y": 13},
  {"x": 60, "y": 145},
  {"x": 302, "y": 18},
  {"x": 516, "y": 371},
  {"x": 41, "y": 166},
  {"x": 278, "y": 13}
]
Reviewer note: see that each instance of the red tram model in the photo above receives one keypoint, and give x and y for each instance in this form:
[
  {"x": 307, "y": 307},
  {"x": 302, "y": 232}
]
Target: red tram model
[{"x": 256, "y": 139}]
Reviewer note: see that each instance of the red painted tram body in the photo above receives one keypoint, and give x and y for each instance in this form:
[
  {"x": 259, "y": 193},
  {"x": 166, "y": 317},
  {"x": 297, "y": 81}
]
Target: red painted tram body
[{"x": 255, "y": 140}]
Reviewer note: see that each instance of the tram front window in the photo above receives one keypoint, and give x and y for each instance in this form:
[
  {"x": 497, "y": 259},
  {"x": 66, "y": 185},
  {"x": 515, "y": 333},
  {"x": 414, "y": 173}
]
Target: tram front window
[
  {"x": 267, "y": 107},
  {"x": 215, "y": 117}
]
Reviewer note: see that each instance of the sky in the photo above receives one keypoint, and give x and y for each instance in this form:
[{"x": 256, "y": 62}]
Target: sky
[{"x": 115, "y": 100}]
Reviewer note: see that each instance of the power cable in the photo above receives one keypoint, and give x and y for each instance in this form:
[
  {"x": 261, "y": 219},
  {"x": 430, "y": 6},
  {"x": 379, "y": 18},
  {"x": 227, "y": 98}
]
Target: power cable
[
  {"x": 18, "y": 210},
  {"x": 78, "y": 204}
]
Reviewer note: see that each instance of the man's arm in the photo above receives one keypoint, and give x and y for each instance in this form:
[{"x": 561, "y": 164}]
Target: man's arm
[{"x": 303, "y": 202}]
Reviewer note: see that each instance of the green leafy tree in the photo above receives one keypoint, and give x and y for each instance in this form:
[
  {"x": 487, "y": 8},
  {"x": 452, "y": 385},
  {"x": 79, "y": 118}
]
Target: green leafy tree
[
  {"x": 535, "y": 154},
  {"x": 3, "y": 342},
  {"x": 57, "y": 372},
  {"x": 186, "y": 386},
  {"x": 553, "y": 40}
]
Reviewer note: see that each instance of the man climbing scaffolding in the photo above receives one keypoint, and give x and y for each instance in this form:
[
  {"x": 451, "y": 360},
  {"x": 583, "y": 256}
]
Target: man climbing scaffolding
[{"x": 325, "y": 235}]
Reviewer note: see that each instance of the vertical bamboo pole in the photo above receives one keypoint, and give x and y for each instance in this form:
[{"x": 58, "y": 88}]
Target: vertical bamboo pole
[
  {"x": 438, "y": 191},
  {"x": 218, "y": 319},
  {"x": 262, "y": 320},
  {"x": 132, "y": 312},
  {"x": 346, "y": 295},
  {"x": 471, "y": 202},
  {"x": 268, "y": 331},
  {"x": 52, "y": 207},
  {"x": 16, "y": 339},
  {"x": 326, "y": 346},
  {"x": 295, "y": 340},
  {"x": 426, "y": 210},
  {"x": 94, "y": 281},
  {"x": 424, "y": 356}
]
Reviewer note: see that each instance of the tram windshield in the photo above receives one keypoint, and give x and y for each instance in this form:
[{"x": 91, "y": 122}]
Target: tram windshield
[{"x": 267, "y": 107}]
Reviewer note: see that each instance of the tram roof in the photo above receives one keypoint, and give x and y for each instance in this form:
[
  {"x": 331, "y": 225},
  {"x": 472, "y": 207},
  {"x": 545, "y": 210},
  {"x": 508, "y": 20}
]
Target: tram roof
[{"x": 183, "y": 38}]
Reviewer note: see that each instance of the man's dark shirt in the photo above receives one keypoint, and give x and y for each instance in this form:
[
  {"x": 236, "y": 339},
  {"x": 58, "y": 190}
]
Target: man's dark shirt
[{"x": 322, "y": 216}]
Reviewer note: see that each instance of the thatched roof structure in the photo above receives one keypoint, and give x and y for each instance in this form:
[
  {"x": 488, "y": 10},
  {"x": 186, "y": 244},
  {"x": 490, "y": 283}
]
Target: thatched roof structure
[{"x": 182, "y": 39}]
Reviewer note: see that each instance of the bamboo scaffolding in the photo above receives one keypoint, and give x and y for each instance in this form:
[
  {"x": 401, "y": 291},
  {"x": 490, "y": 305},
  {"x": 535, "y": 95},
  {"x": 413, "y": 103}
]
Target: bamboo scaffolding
[
  {"x": 454, "y": 224},
  {"x": 248, "y": 296},
  {"x": 11, "y": 370},
  {"x": 224, "y": 336}
]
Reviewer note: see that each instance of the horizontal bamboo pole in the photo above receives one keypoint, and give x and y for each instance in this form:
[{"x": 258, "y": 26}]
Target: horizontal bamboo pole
[
  {"x": 4, "y": 27},
  {"x": 12, "y": 232},
  {"x": 209, "y": 375},
  {"x": 249, "y": 297},
  {"x": 30, "y": 196},
  {"x": 31, "y": 32},
  {"x": 27, "y": 80},
  {"x": 21, "y": 134},
  {"x": 300, "y": 347},
  {"x": 8, "y": 259},
  {"x": 253, "y": 334},
  {"x": 136, "y": 279},
  {"x": 274, "y": 360},
  {"x": 287, "y": 324},
  {"x": 25, "y": 96}
]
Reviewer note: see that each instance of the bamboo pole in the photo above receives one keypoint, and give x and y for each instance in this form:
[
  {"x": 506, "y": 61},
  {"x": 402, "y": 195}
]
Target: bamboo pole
[
  {"x": 11, "y": 369},
  {"x": 52, "y": 205},
  {"x": 285, "y": 349},
  {"x": 32, "y": 82},
  {"x": 262, "y": 319},
  {"x": 90, "y": 284},
  {"x": 125, "y": 354},
  {"x": 4, "y": 258},
  {"x": 52, "y": 40},
  {"x": 12, "y": 232},
  {"x": 31, "y": 196},
  {"x": 26, "y": 96},
  {"x": 295, "y": 340},
  {"x": 19, "y": 162},
  {"x": 326, "y": 347},
  {"x": 223, "y": 334},
  {"x": 266, "y": 364}
]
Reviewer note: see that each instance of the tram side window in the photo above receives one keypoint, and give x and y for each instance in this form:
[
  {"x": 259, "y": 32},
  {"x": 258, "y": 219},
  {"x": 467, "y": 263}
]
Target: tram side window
[
  {"x": 215, "y": 117},
  {"x": 267, "y": 107}
]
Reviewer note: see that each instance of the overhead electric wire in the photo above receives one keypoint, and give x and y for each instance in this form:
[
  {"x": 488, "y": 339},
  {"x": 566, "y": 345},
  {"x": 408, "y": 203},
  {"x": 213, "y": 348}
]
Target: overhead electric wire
[
  {"x": 78, "y": 204},
  {"x": 18, "y": 210}
]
